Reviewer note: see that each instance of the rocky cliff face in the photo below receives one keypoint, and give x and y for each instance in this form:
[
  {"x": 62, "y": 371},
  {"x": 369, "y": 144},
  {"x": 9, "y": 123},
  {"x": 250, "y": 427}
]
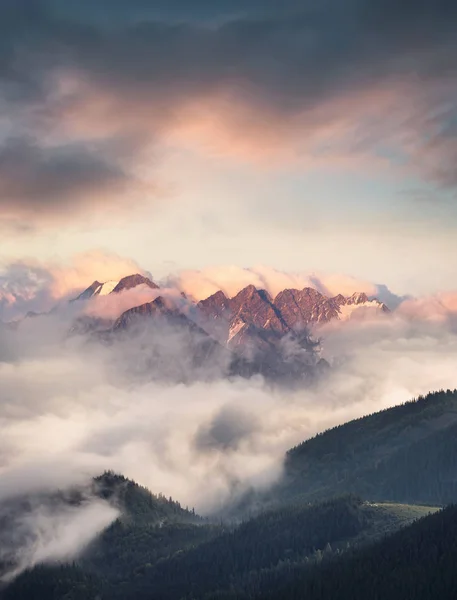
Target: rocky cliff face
[
  {"x": 253, "y": 311},
  {"x": 300, "y": 308}
]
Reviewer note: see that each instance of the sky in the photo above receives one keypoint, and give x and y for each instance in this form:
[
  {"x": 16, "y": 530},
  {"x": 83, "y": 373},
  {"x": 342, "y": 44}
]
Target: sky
[{"x": 307, "y": 136}]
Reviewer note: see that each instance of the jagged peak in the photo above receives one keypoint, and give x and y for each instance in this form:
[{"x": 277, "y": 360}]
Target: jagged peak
[
  {"x": 217, "y": 297},
  {"x": 92, "y": 290},
  {"x": 358, "y": 298},
  {"x": 131, "y": 281},
  {"x": 155, "y": 307},
  {"x": 164, "y": 303},
  {"x": 311, "y": 291},
  {"x": 249, "y": 290},
  {"x": 219, "y": 294},
  {"x": 339, "y": 299},
  {"x": 294, "y": 292},
  {"x": 109, "y": 287}
]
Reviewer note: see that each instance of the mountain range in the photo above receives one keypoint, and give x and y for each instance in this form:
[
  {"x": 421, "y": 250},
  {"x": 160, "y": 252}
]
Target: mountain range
[
  {"x": 244, "y": 335},
  {"x": 257, "y": 333},
  {"x": 236, "y": 320}
]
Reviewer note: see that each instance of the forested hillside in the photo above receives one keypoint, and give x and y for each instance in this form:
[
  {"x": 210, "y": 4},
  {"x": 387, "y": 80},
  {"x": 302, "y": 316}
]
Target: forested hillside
[
  {"x": 338, "y": 526},
  {"x": 405, "y": 454},
  {"x": 173, "y": 561},
  {"x": 417, "y": 563},
  {"x": 60, "y": 582},
  {"x": 137, "y": 504}
]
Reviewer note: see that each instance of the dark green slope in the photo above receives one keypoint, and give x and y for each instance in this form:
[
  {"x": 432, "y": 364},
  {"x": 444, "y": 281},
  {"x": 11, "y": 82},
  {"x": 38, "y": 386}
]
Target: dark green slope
[
  {"x": 404, "y": 454},
  {"x": 316, "y": 531},
  {"x": 416, "y": 563},
  {"x": 137, "y": 504},
  {"x": 236, "y": 558},
  {"x": 150, "y": 528},
  {"x": 62, "y": 582},
  {"x": 125, "y": 554},
  {"x": 266, "y": 553},
  {"x": 259, "y": 543}
]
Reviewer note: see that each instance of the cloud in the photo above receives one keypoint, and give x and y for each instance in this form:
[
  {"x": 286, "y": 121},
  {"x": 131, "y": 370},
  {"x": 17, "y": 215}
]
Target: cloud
[
  {"x": 23, "y": 287},
  {"x": 227, "y": 430},
  {"x": 48, "y": 531},
  {"x": 71, "y": 409},
  {"x": 89, "y": 266},
  {"x": 440, "y": 307},
  {"x": 394, "y": 356},
  {"x": 31, "y": 285},
  {"x": 112, "y": 306},
  {"x": 318, "y": 84},
  {"x": 53, "y": 181},
  {"x": 231, "y": 279},
  {"x": 252, "y": 89},
  {"x": 34, "y": 286}
]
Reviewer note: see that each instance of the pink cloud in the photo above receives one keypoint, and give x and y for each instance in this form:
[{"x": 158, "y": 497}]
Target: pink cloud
[
  {"x": 31, "y": 285},
  {"x": 34, "y": 286},
  {"x": 231, "y": 279},
  {"x": 87, "y": 267},
  {"x": 227, "y": 123},
  {"x": 439, "y": 307},
  {"x": 112, "y": 306},
  {"x": 361, "y": 127}
]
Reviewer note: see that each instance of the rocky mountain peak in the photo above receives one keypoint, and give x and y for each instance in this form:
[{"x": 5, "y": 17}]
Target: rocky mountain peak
[
  {"x": 131, "y": 281},
  {"x": 357, "y": 298},
  {"x": 164, "y": 304},
  {"x": 109, "y": 287},
  {"x": 255, "y": 307},
  {"x": 339, "y": 299},
  {"x": 215, "y": 305},
  {"x": 92, "y": 290},
  {"x": 244, "y": 295},
  {"x": 301, "y": 307},
  {"x": 159, "y": 306},
  {"x": 272, "y": 333}
]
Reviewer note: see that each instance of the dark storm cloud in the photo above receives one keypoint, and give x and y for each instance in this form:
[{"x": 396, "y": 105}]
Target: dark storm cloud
[
  {"x": 281, "y": 58},
  {"x": 34, "y": 177},
  {"x": 307, "y": 52}
]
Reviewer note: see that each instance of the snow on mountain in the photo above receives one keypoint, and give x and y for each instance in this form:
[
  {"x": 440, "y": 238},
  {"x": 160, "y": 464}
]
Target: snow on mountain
[
  {"x": 114, "y": 287},
  {"x": 107, "y": 287},
  {"x": 359, "y": 304},
  {"x": 98, "y": 289},
  {"x": 235, "y": 329}
]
